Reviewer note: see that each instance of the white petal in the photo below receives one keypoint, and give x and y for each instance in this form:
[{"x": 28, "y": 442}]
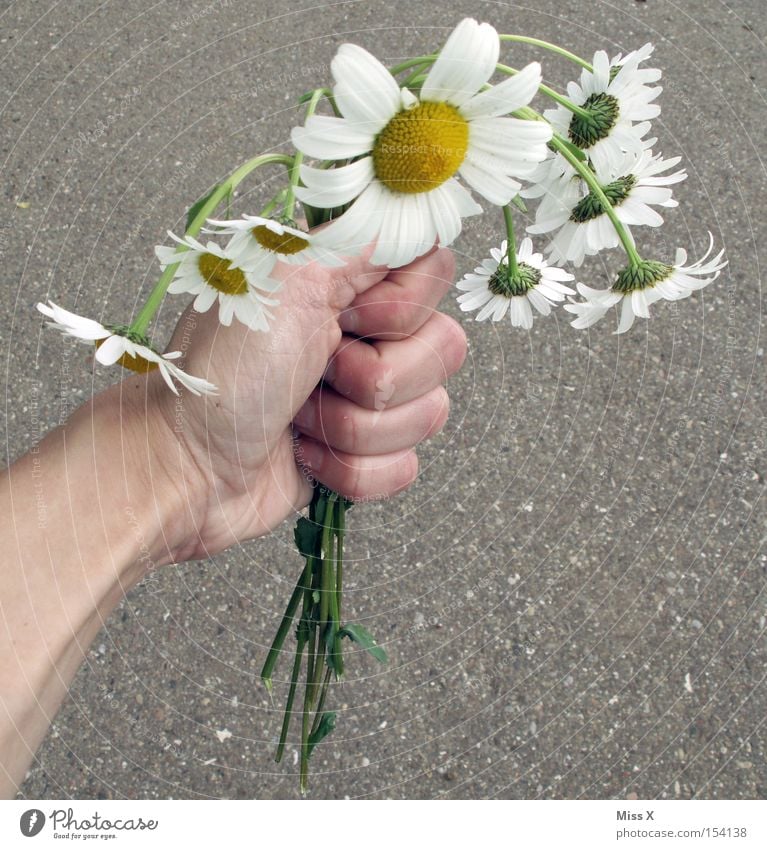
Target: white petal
[
  {"x": 496, "y": 188},
  {"x": 539, "y": 301},
  {"x": 330, "y": 187},
  {"x": 365, "y": 92},
  {"x": 507, "y": 96},
  {"x": 627, "y": 316},
  {"x": 325, "y": 137},
  {"x": 449, "y": 204},
  {"x": 473, "y": 300},
  {"x": 226, "y": 309},
  {"x": 358, "y": 226},
  {"x": 205, "y": 300},
  {"x": 111, "y": 350},
  {"x": 464, "y": 65}
]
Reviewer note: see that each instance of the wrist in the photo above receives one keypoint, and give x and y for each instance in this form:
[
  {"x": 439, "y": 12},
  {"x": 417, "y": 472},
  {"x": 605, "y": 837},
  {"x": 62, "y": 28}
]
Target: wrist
[{"x": 153, "y": 486}]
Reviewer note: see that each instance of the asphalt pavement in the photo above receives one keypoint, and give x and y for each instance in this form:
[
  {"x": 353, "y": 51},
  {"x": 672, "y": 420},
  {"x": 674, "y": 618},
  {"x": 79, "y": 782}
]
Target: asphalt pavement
[{"x": 573, "y": 593}]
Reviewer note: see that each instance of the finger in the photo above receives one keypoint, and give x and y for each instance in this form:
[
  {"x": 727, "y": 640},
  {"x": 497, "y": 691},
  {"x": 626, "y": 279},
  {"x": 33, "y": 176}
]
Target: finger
[
  {"x": 402, "y": 302},
  {"x": 360, "y": 478},
  {"x": 396, "y": 372},
  {"x": 341, "y": 424},
  {"x": 355, "y": 277}
]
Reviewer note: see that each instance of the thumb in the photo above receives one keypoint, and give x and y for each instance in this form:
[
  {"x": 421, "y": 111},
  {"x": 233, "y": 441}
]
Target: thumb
[{"x": 359, "y": 273}]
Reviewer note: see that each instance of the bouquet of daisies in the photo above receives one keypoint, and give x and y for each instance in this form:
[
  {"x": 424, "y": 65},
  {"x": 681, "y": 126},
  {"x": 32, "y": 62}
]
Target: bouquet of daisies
[{"x": 399, "y": 157}]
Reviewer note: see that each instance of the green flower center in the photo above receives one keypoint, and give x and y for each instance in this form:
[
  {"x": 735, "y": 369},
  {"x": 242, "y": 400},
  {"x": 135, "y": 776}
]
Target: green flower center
[
  {"x": 592, "y": 207},
  {"x": 642, "y": 276},
  {"x": 511, "y": 284},
  {"x": 219, "y": 274},
  {"x": 421, "y": 147},
  {"x": 279, "y": 243},
  {"x": 587, "y": 130}
]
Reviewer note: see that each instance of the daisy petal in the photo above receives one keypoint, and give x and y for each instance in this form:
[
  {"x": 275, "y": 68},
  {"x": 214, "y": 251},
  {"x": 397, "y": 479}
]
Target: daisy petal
[
  {"x": 326, "y": 137},
  {"x": 505, "y": 97},
  {"x": 332, "y": 187},
  {"x": 366, "y": 93},
  {"x": 464, "y": 65}
]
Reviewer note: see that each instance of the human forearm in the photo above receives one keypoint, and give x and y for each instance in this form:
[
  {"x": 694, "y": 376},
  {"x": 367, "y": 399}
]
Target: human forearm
[{"x": 84, "y": 518}]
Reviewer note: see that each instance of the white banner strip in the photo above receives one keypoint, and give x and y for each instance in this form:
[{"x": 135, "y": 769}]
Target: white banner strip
[{"x": 566, "y": 824}]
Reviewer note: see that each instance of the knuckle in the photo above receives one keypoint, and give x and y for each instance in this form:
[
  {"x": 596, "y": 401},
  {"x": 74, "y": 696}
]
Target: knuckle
[
  {"x": 407, "y": 472},
  {"x": 401, "y": 318},
  {"x": 354, "y": 481},
  {"x": 439, "y": 410},
  {"x": 349, "y": 436},
  {"x": 445, "y": 262},
  {"x": 455, "y": 345}
]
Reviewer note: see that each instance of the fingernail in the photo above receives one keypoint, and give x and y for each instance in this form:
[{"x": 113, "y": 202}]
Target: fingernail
[
  {"x": 351, "y": 320},
  {"x": 311, "y": 455},
  {"x": 307, "y": 415}
]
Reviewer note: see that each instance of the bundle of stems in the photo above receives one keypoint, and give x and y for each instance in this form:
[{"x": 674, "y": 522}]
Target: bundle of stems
[{"x": 316, "y": 602}]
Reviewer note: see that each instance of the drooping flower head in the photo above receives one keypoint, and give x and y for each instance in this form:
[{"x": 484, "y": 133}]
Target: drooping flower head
[
  {"x": 618, "y": 95},
  {"x": 408, "y": 151},
  {"x": 494, "y": 289},
  {"x": 211, "y": 274},
  {"x": 121, "y": 345},
  {"x": 637, "y": 287},
  {"x": 259, "y": 243},
  {"x": 571, "y": 207}
]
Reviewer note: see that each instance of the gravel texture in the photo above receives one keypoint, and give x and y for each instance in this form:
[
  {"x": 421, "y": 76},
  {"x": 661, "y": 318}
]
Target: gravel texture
[{"x": 573, "y": 593}]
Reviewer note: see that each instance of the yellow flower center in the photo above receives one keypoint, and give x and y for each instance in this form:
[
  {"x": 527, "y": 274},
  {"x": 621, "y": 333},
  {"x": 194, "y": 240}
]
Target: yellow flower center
[
  {"x": 137, "y": 364},
  {"x": 278, "y": 243},
  {"x": 421, "y": 147},
  {"x": 218, "y": 274}
]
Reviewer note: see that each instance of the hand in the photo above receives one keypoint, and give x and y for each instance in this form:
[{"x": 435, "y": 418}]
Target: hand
[{"x": 354, "y": 362}]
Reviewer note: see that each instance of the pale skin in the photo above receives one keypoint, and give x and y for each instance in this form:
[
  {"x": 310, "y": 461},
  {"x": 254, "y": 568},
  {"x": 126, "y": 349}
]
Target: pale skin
[{"x": 137, "y": 478}]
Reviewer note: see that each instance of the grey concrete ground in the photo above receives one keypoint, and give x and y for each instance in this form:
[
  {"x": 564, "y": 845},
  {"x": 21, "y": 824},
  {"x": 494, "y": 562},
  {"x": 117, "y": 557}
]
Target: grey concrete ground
[{"x": 573, "y": 593}]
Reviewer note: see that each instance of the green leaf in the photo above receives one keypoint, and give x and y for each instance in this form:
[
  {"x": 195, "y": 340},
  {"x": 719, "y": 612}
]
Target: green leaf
[
  {"x": 307, "y": 536},
  {"x": 363, "y": 637},
  {"x": 519, "y": 203},
  {"x": 197, "y": 206},
  {"x": 327, "y": 724}
]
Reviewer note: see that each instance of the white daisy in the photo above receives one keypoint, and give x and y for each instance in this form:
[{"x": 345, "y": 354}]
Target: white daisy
[
  {"x": 257, "y": 243},
  {"x": 210, "y": 273},
  {"x": 124, "y": 346},
  {"x": 637, "y": 288},
  {"x": 584, "y": 228},
  {"x": 408, "y": 150},
  {"x": 495, "y": 291},
  {"x": 618, "y": 95}
]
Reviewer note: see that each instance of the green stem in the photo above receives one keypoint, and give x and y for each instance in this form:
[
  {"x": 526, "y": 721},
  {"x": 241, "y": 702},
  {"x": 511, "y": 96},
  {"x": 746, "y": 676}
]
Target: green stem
[
  {"x": 340, "y": 531},
  {"x": 412, "y": 63},
  {"x": 321, "y": 702},
  {"x": 332, "y": 589},
  {"x": 300, "y": 645},
  {"x": 549, "y": 92},
  {"x": 547, "y": 45},
  {"x": 305, "y": 731},
  {"x": 561, "y": 146},
  {"x": 273, "y": 203},
  {"x": 591, "y": 181},
  {"x": 511, "y": 248},
  {"x": 326, "y": 572},
  {"x": 295, "y": 171},
  {"x": 154, "y": 300},
  {"x": 282, "y": 631}
]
